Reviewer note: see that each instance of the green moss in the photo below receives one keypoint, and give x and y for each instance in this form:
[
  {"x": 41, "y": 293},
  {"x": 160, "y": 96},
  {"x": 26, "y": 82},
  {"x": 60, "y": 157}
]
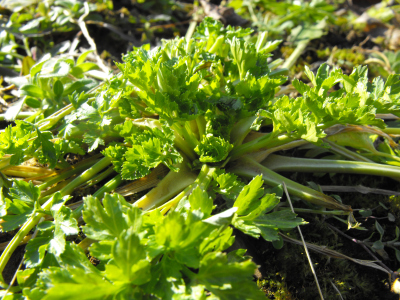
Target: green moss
[
  {"x": 275, "y": 287},
  {"x": 345, "y": 58}
]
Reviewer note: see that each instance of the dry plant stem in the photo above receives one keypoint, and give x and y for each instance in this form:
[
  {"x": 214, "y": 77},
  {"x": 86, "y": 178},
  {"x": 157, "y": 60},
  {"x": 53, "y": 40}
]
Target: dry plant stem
[
  {"x": 24, "y": 241},
  {"x": 361, "y": 243},
  {"x": 144, "y": 183},
  {"x": 337, "y": 290},
  {"x": 85, "y": 32},
  {"x": 30, "y": 172},
  {"x": 357, "y": 189},
  {"x": 298, "y": 51},
  {"x": 116, "y": 30},
  {"x": 13, "y": 279},
  {"x": 334, "y": 254},
  {"x": 304, "y": 244},
  {"x": 193, "y": 23}
]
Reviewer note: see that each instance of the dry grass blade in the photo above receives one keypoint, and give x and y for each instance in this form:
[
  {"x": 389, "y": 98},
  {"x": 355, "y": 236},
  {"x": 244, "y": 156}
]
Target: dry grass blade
[
  {"x": 82, "y": 25},
  {"x": 337, "y": 290},
  {"x": 387, "y": 117},
  {"x": 23, "y": 242},
  {"x": 334, "y": 254},
  {"x": 304, "y": 244},
  {"x": 357, "y": 189},
  {"x": 359, "y": 128},
  {"x": 116, "y": 30},
  {"x": 144, "y": 183}
]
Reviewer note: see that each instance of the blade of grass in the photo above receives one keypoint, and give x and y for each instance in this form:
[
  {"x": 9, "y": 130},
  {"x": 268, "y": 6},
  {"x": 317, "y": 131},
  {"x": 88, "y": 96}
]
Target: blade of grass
[{"x": 304, "y": 244}]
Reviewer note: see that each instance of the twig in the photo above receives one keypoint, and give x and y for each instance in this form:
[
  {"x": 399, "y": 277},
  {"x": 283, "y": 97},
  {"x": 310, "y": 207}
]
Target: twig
[
  {"x": 13, "y": 279},
  {"x": 74, "y": 44},
  {"x": 337, "y": 290},
  {"x": 81, "y": 23},
  {"x": 358, "y": 188},
  {"x": 116, "y": 30},
  {"x": 193, "y": 22},
  {"x": 304, "y": 244},
  {"x": 334, "y": 254},
  {"x": 361, "y": 243}
]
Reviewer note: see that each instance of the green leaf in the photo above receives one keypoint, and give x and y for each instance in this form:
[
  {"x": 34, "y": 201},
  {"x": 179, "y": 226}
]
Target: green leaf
[
  {"x": 310, "y": 75},
  {"x": 32, "y": 102},
  {"x": 379, "y": 228},
  {"x": 93, "y": 141},
  {"x": 378, "y": 245},
  {"x": 38, "y": 66},
  {"x": 213, "y": 149},
  {"x": 11, "y": 222},
  {"x": 78, "y": 70},
  {"x": 223, "y": 218},
  {"x": 104, "y": 223},
  {"x": 322, "y": 74},
  {"x": 83, "y": 56},
  {"x": 65, "y": 225},
  {"x": 75, "y": 285},
  {"x": 36, "y": 250},
  {"x": 25, "y": 191},
  {"x": 248, "y": 198},
  {"x": 228, "y": 280},
  {"x": 43, "y": 142},
  {"x": 150, "y": 148},
  {"x": 283, "y": 219},
  {"x": 228, "y": 184},
  {"x": 199, "y": 200},
  {"x": 129, "y": 260},
  {"x": 32, "y": 90},
  {"x": 300, "y": 86},
  {"x": 58, "y": 88},
  {"x": 278, "y": 244},
  {"x": 27, "y": 63},
  {"x": 60, "y": 69},
  {"x": 102, "y": 250}
]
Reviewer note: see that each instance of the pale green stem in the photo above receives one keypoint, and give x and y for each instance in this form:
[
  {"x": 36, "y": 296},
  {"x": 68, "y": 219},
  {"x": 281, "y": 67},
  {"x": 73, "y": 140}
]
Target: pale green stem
[
  {"x": 292, "y": 59},
  {"x": 75, "y": 169},
  {"x": 99, "y": 177},
  {"x": 346, "y": 152},
  {"x": 249, "y": 168},
  {"x": 106, "y": 188},
  {"x": 21, "y": 115},
  {"x": 34, "y": 219},
  {"x": 14, "y": 54},
  {"x": 321, "y": 212},
  {"x": 279, "y": 163},
  {"x": 169, "y": 186},
  {"x": 5, "y": 162},
  {"x": 18, "y": 237},
  {"x": 390, "y": 130},
  {"x": 203, "y": 181},
  {"x": 241, "y": 129},
  {"x": 269, "y": 140}
]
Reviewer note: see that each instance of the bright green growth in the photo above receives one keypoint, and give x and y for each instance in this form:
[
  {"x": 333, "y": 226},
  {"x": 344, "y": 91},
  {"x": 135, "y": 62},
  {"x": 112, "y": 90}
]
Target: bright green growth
[{"x": 189, "y": 105}]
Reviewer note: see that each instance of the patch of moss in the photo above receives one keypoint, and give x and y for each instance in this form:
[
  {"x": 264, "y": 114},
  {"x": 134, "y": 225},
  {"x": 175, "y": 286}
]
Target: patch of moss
[
  {"x": 345, "y": 58},
  {"x": 275, "y": 287}
]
